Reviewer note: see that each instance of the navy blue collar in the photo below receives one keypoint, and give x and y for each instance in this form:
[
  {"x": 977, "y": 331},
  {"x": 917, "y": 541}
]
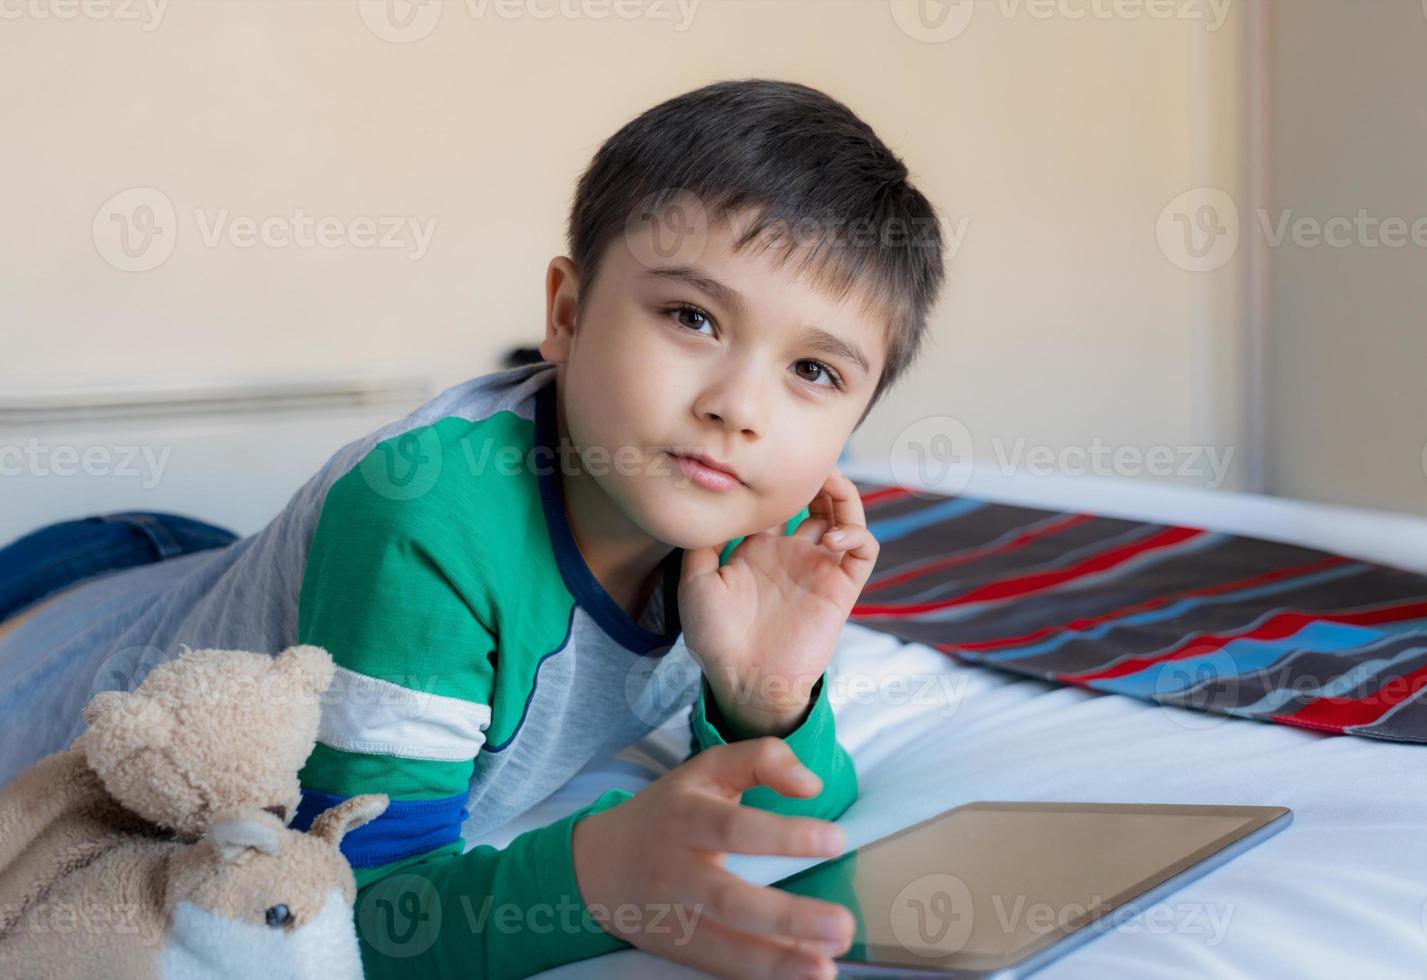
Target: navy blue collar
[{"x": 577, "y": 575}]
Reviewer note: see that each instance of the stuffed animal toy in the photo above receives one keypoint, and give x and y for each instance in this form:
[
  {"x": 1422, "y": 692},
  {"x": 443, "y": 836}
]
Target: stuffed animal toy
[
  {"x": 250, "y": 899},
  {"x": 211, "y": 737}
]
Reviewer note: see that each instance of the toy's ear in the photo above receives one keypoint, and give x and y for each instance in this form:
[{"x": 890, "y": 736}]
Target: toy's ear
[
  {"x": 311, "y": 666},
  {"x": 103, "y": 705},
  {"x": 128, "y": 719},
  {"x": 233, "y": 835},
  {"x": 332, "y": 825}
]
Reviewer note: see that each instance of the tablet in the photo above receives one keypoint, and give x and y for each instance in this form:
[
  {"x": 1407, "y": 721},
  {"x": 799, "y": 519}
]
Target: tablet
[{"x": 998, "y": 890}]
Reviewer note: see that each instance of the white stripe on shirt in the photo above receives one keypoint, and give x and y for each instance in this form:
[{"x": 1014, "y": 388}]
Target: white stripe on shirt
[{"x": 376, "y": 717}]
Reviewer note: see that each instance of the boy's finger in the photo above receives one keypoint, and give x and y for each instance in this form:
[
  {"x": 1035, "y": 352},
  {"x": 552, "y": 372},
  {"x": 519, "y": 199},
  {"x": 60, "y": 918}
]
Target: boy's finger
[
  {"x": 696, "y": 562},
  {"x": 765, "y": 761},
  {"x": 736, "y": 903},
  {"x": 846, "y": 501},
  {"x": 726, "y": 825},
  {"x": 812, "y": 529},
  {"x": 859, "y": 547},
  {"x": 821, "y": 505},
  {"x": 819, "y": 947}
]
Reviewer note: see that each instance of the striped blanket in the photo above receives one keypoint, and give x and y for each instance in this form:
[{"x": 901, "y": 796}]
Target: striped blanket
[{"x": 1179, "y": 615}]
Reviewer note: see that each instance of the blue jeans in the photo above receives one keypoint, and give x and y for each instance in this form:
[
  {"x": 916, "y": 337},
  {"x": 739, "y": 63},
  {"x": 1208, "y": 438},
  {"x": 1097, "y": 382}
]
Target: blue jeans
[{"x": 57, "y": 556}]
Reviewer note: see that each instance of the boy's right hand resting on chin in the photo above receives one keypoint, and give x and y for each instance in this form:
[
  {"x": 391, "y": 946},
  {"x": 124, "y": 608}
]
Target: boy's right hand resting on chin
[{"x": 665, "y": 845}]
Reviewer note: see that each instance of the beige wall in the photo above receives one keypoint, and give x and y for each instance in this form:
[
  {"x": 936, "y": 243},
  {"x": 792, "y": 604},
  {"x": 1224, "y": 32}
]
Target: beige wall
[
  {"x": 1348, "y": 393},
  {"x": 1050, "y": 145}
]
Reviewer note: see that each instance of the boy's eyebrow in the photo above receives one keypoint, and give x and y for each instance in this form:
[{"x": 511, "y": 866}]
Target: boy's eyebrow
[
  {"x": 726, "y": 295},
  {"x": 816, "y": 337},
  {"x": 820, "y": 339}
]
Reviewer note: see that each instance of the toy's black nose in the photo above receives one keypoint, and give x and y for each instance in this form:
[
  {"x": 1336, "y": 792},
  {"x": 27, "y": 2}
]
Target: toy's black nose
[{"x": 278, "y": 811}]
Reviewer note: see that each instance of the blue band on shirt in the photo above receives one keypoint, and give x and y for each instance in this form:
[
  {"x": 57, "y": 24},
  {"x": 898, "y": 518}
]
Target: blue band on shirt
[{"x": 407, "y": 827}]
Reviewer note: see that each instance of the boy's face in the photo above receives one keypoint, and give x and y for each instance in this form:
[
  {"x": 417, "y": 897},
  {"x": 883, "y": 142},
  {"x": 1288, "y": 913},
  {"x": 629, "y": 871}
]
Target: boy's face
[{"x": 739, "y": 376}]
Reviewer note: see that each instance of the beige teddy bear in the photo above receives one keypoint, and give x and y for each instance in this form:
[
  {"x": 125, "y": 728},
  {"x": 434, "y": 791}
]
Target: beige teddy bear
[
  {"x": 211, "y": 736},
  {"x": 252, "y": 898}
]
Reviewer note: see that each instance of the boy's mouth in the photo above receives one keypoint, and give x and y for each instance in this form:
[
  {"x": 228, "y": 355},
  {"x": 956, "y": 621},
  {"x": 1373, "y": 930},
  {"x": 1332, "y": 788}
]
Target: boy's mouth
[{"x": 707, "y": 471}]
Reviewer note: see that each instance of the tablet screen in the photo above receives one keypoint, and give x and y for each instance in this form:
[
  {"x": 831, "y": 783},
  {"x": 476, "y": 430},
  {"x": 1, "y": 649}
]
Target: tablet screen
[{"x": 986, "y": 884}]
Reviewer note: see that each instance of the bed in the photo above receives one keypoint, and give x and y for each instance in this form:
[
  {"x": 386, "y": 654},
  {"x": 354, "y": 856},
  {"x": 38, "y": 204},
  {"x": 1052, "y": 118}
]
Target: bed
[{"x": 1341, "y": 892}]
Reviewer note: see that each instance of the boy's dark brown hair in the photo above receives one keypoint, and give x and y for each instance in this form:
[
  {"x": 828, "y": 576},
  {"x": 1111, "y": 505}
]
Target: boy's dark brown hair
[{"x": 816, "y": 176}]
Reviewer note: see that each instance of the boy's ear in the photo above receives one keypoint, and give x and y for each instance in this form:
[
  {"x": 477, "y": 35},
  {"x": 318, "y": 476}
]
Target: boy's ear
[{"x": 562, "y": 296}]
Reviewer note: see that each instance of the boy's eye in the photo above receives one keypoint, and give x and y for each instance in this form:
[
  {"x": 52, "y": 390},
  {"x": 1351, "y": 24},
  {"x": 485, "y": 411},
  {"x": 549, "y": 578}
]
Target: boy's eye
[
  {"x": 833, "y": 380},
  {"x": 684, "y": 310}
]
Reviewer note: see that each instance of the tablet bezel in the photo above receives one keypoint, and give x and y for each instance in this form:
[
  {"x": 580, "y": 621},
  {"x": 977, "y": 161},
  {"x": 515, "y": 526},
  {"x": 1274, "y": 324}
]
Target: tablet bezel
[{"x": 1260, "y": 822}]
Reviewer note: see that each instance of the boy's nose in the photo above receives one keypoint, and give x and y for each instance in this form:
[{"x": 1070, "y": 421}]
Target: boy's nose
[{"x": 734, "y": 406}]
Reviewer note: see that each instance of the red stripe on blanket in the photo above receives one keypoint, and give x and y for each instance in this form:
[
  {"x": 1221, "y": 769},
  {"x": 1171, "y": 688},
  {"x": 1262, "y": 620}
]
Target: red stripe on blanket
[
  {"x": 1276, "y": 627},
  {"x": 1155, "y": 603},
  {"x": 986, "y": 551},
  {"x": 1020, "y": 585},
  {"x": 1336, "y": 714},
  {"x": 883, "y": 495}
]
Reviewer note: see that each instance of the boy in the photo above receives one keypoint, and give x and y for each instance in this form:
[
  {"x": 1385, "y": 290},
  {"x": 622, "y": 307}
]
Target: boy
[{"x": 525, "y": 574}]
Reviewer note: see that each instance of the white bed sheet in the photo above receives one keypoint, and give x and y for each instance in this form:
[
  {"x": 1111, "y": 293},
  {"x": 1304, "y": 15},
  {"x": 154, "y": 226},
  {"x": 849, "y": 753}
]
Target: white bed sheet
[{"x": 1342, "y": 892}]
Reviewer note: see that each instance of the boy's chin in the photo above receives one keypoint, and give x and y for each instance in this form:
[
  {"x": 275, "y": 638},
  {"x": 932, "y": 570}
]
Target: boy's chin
[{"x": 688, "y": 525}]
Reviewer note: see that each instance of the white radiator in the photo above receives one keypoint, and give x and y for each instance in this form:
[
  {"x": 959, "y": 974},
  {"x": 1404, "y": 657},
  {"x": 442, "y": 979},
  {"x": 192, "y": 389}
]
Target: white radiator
[{"x": 228, "y": 455}]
